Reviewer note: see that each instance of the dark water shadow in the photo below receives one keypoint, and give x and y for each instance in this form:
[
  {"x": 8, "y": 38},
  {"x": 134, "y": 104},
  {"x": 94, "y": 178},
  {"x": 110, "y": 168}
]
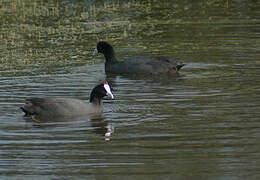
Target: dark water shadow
[
  {"x": 95, "y": 123},
  {"x": 162, "y": 79}
]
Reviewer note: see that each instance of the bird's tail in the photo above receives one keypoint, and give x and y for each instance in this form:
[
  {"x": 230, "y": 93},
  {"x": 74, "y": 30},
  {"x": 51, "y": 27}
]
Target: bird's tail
[
  {"x": 26, "y": 113},
  {"x": 179, "y": 66}
]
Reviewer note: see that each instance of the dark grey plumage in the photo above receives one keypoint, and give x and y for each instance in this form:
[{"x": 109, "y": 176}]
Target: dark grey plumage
[
  {"x": 54, "y": 107},
  {"x": 136, "y": 65}
]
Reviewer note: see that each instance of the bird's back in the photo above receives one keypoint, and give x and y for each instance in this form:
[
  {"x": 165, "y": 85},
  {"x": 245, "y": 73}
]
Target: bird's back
[
  {"x": 143, "y": 65},
  {"x": 53, "y": 107}
]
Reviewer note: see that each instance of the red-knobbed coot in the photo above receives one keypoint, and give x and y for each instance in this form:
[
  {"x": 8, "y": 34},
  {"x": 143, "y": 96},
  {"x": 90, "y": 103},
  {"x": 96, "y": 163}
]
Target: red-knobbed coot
[
  {"x": 136, "y": 65},
  {"x": 55, "y": 107}
]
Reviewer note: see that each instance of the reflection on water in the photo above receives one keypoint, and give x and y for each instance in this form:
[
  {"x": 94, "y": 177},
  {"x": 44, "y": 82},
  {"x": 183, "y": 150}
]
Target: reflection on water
[
  {"x": 201, "y": 123},
  {"x": 95, "y": 123}
]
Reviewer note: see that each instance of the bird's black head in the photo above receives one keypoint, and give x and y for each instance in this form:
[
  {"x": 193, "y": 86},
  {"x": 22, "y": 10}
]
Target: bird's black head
[
  {"x": 106, "y": 49},
  {"x": 100, "y": 91}
]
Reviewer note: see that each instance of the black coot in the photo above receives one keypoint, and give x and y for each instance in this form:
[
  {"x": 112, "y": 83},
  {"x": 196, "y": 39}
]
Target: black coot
[
  {"x": 55, "y": 107},
  {"x": 136, "y": 65}
]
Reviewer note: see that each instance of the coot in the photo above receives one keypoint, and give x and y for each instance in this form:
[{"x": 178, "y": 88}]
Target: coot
[
  {"x": 136, "y": 65},
  {"x": 55, "y": 107}
]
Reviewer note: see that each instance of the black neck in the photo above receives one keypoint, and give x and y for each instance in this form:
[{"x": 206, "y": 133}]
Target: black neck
[
  {"x": 95, "y": 100},
  {"x": 110, "y": 56}
]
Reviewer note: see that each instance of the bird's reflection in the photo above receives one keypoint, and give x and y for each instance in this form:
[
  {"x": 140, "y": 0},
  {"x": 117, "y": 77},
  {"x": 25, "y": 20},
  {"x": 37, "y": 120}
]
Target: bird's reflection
[
  {"x": 96, "y": 122},
  {"x": 161, "y": 79}
]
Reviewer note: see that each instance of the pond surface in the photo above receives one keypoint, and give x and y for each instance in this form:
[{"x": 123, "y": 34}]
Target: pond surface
[{"x": 201, "y": 124}]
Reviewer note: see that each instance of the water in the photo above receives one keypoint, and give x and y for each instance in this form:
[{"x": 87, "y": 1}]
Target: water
[{"x": 202, "y": 124}]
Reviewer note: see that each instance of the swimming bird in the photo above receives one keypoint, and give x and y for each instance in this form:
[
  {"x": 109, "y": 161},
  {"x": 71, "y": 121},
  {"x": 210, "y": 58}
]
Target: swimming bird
[
  {"x": 136, "y": 65},
  {"x": 57, "y": 106}
]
